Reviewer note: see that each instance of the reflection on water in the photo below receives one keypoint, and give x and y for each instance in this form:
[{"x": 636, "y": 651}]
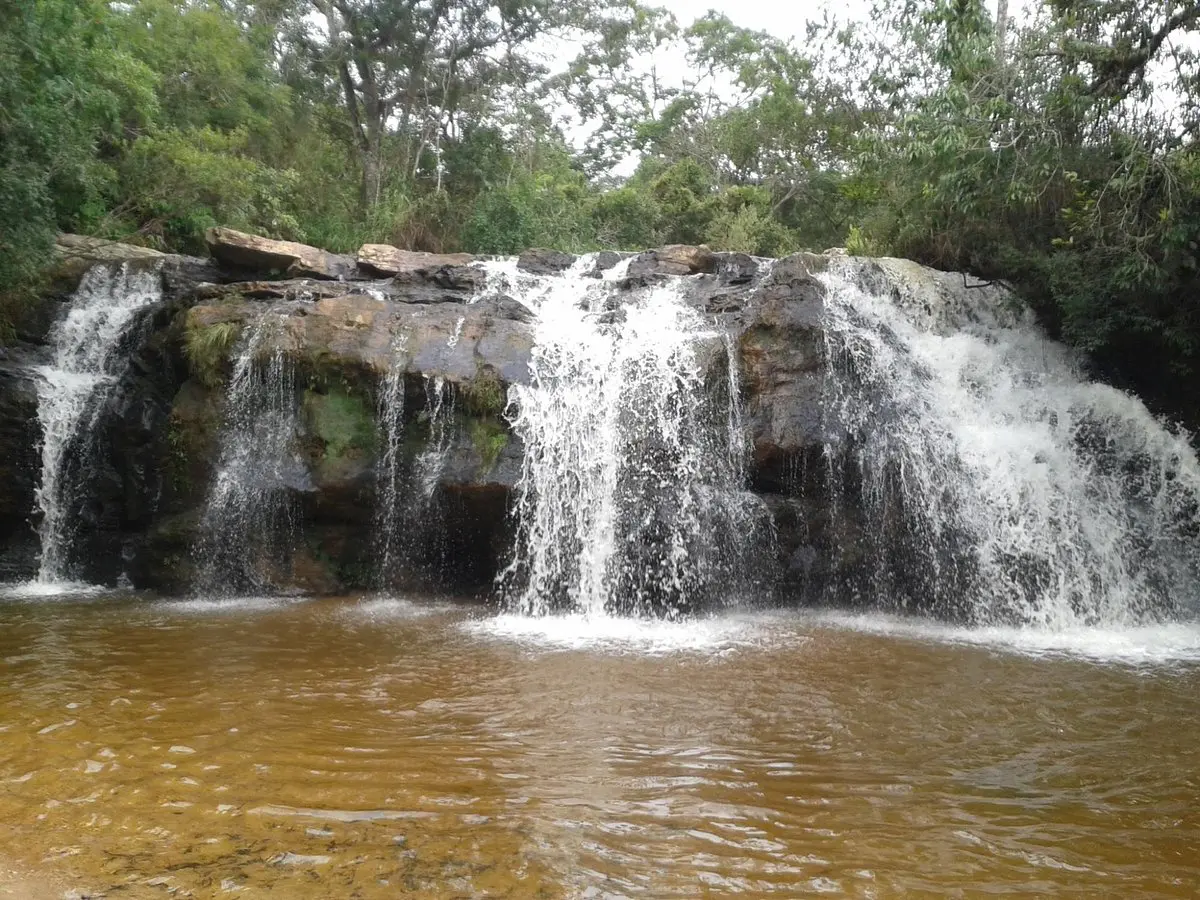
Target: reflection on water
[{"x": 384, "y": 748}]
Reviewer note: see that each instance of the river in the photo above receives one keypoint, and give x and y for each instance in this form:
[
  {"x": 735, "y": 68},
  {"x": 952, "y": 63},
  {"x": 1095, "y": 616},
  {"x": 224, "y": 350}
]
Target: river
[{"x": 360, "y": 747}]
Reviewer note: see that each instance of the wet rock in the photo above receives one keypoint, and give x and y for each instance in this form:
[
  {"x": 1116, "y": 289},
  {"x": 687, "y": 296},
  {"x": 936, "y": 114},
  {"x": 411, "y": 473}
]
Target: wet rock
[
  {"x": 157, "y": 439},
  {"x": 288, "y": 289},
  {"x": 504, "y": 307},
  {"x": 782, "y": 354},
  {"x": 736, "y": 268},
  {"x": 384, "y": 259},
  {"x": 605, "y": 260},
  {"x": 259, "y": 254},
  {"x": 545, "y": 262},
  {"x": 20, "y": 462},
  {"x": 76, "y": 253},
  {"x": 674, "y": 259}
]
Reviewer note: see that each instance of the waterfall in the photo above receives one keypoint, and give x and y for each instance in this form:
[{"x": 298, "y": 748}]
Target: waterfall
[
  {"x": 631, "y": 497},
  {"x": 993, "y": 483},
  {"x": 89, "y": 356},
  {"x": 390, "y": 473},
  {"x": 248, "y": 522},
  {"x": 405, "y": 516},
  {"x": 439, "y": 416}
]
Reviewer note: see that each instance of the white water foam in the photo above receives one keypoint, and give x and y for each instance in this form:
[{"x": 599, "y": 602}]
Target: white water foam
[
  {"x": 207, "y": 605},
  {"x": 431, "y": 462},
  {"x": 389, "y": 474},
  {"x": 631, "y": 495},
  {"x": 389, "y": 608},
  {"x": 1155, "y": 645},
  {"x": 621, "y": 634},
  {"x": 51, "y": 590},
  {"x": 998, "y": 486}
]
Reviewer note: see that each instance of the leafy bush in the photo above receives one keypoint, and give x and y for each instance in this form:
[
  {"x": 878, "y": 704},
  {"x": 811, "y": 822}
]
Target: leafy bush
[{"x": 183, "y": 182}]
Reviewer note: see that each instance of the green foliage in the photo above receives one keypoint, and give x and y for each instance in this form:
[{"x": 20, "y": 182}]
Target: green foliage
[
  {"x": 484, "y": 394},
  {"x": 67, "y": 91},
  {"x": 489, "y": 438},
  {"x": 549, "y": 207},
  {"x": 626, "y": 219},
  {"x": 1036, "y": 150},
  {"x": 183, "y": 182},
  {"x": 343, "y": 422},
  {"x": 1042, "y": 161},
  {"x": 207, "y": 350}
]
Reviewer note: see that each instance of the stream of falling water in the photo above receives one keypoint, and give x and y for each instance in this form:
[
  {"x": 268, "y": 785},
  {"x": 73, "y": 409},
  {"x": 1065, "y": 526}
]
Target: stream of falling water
[
  {"x": 997, "y": 484},
  {"x": 631, "y": 498},
  {"x": 390, "y": 472},
  {"x": 431, "y": 463},
  {"x": 248, "y": 516},
  {"x": 89, "y": 355}
]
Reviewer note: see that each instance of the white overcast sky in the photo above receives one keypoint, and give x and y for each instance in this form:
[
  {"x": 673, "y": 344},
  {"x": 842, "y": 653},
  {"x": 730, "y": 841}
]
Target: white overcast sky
[{"x": 778, "y": 17}]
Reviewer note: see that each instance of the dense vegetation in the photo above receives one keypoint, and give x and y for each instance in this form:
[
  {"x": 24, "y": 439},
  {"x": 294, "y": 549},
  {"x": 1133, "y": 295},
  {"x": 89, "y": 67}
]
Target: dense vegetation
[{"x": 1055, "y": 150}]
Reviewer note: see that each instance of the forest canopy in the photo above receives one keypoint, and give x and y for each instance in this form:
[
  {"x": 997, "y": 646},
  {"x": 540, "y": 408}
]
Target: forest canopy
[{"x": 1053, "y": 149}]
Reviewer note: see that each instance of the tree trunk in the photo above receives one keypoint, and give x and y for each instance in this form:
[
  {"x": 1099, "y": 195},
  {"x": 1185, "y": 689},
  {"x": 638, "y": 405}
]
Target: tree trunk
[
  {"x": 371, "y": 158},
  {"x": 372, "y": 180},
  {"x": 1001, "y": 34}
]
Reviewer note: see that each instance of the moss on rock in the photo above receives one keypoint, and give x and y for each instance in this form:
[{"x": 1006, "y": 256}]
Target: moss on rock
[
  {"x": 484, "y": 395},
  {"x": 207, "y": 349},
  {"x": 489, "y": 438},
  {"x": 344, "y": 423}
]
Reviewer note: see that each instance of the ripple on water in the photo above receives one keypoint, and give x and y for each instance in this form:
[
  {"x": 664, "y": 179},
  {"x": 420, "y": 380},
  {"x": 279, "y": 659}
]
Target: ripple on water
[
  {"x": 202, "y": 605},
  {"x": 766, "y": 754},
  {"x": 383, "y": 608}
]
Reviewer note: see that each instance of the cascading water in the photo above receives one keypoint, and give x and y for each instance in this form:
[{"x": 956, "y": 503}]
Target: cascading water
[
  {"x": 631, "y": 498},
  {"x": 248, "y": 520},
  {"x": 89, "y": 356},
  {"x": 406, "y": 516},
  {"x": 439, "y": 416},
  {"x": 994, "y": 484},
  {"x": 390, "y": 475}
]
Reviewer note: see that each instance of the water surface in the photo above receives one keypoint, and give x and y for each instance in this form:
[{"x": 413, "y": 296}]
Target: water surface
[{"x": 383, "y": 748}]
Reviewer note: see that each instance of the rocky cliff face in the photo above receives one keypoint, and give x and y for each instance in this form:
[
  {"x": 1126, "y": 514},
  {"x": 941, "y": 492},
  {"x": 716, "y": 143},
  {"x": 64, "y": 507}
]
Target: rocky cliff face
[{"x": 345, "y": 322}]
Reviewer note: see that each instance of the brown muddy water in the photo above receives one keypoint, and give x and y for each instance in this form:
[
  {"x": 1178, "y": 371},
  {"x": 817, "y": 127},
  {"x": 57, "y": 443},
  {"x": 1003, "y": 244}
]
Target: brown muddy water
[{"x": 384, "y": 748}]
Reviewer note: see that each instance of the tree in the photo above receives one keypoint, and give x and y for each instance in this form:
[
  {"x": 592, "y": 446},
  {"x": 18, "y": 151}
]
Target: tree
[
  {"x": 68, "y": 91},
  {"x": 411, "y": 68}
]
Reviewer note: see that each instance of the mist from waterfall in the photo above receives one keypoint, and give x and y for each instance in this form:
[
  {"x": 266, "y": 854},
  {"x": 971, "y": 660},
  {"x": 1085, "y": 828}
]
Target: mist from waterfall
[
  {"x": 990, "y": 481},
  {"x": 631, "y": 498},
  {"x": 90, "y": 353},
  {"x": 249, "y": 516}
]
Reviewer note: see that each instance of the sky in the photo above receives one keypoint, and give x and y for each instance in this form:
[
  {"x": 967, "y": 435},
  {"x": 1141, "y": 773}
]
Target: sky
[{"x": 778, "y": 17}]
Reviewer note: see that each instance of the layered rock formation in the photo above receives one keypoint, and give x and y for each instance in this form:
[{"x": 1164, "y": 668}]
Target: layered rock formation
[{"x": 347, "y": 322}]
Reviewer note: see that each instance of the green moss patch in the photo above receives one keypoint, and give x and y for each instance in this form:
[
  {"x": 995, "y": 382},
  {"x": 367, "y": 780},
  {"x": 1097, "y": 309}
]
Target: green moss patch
[
  {"x": 489, "y": 438},
  {"x": 484, "y": 395},
  {"x": 207, "y": 349},
  {"x": 344, "y": 423}
]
